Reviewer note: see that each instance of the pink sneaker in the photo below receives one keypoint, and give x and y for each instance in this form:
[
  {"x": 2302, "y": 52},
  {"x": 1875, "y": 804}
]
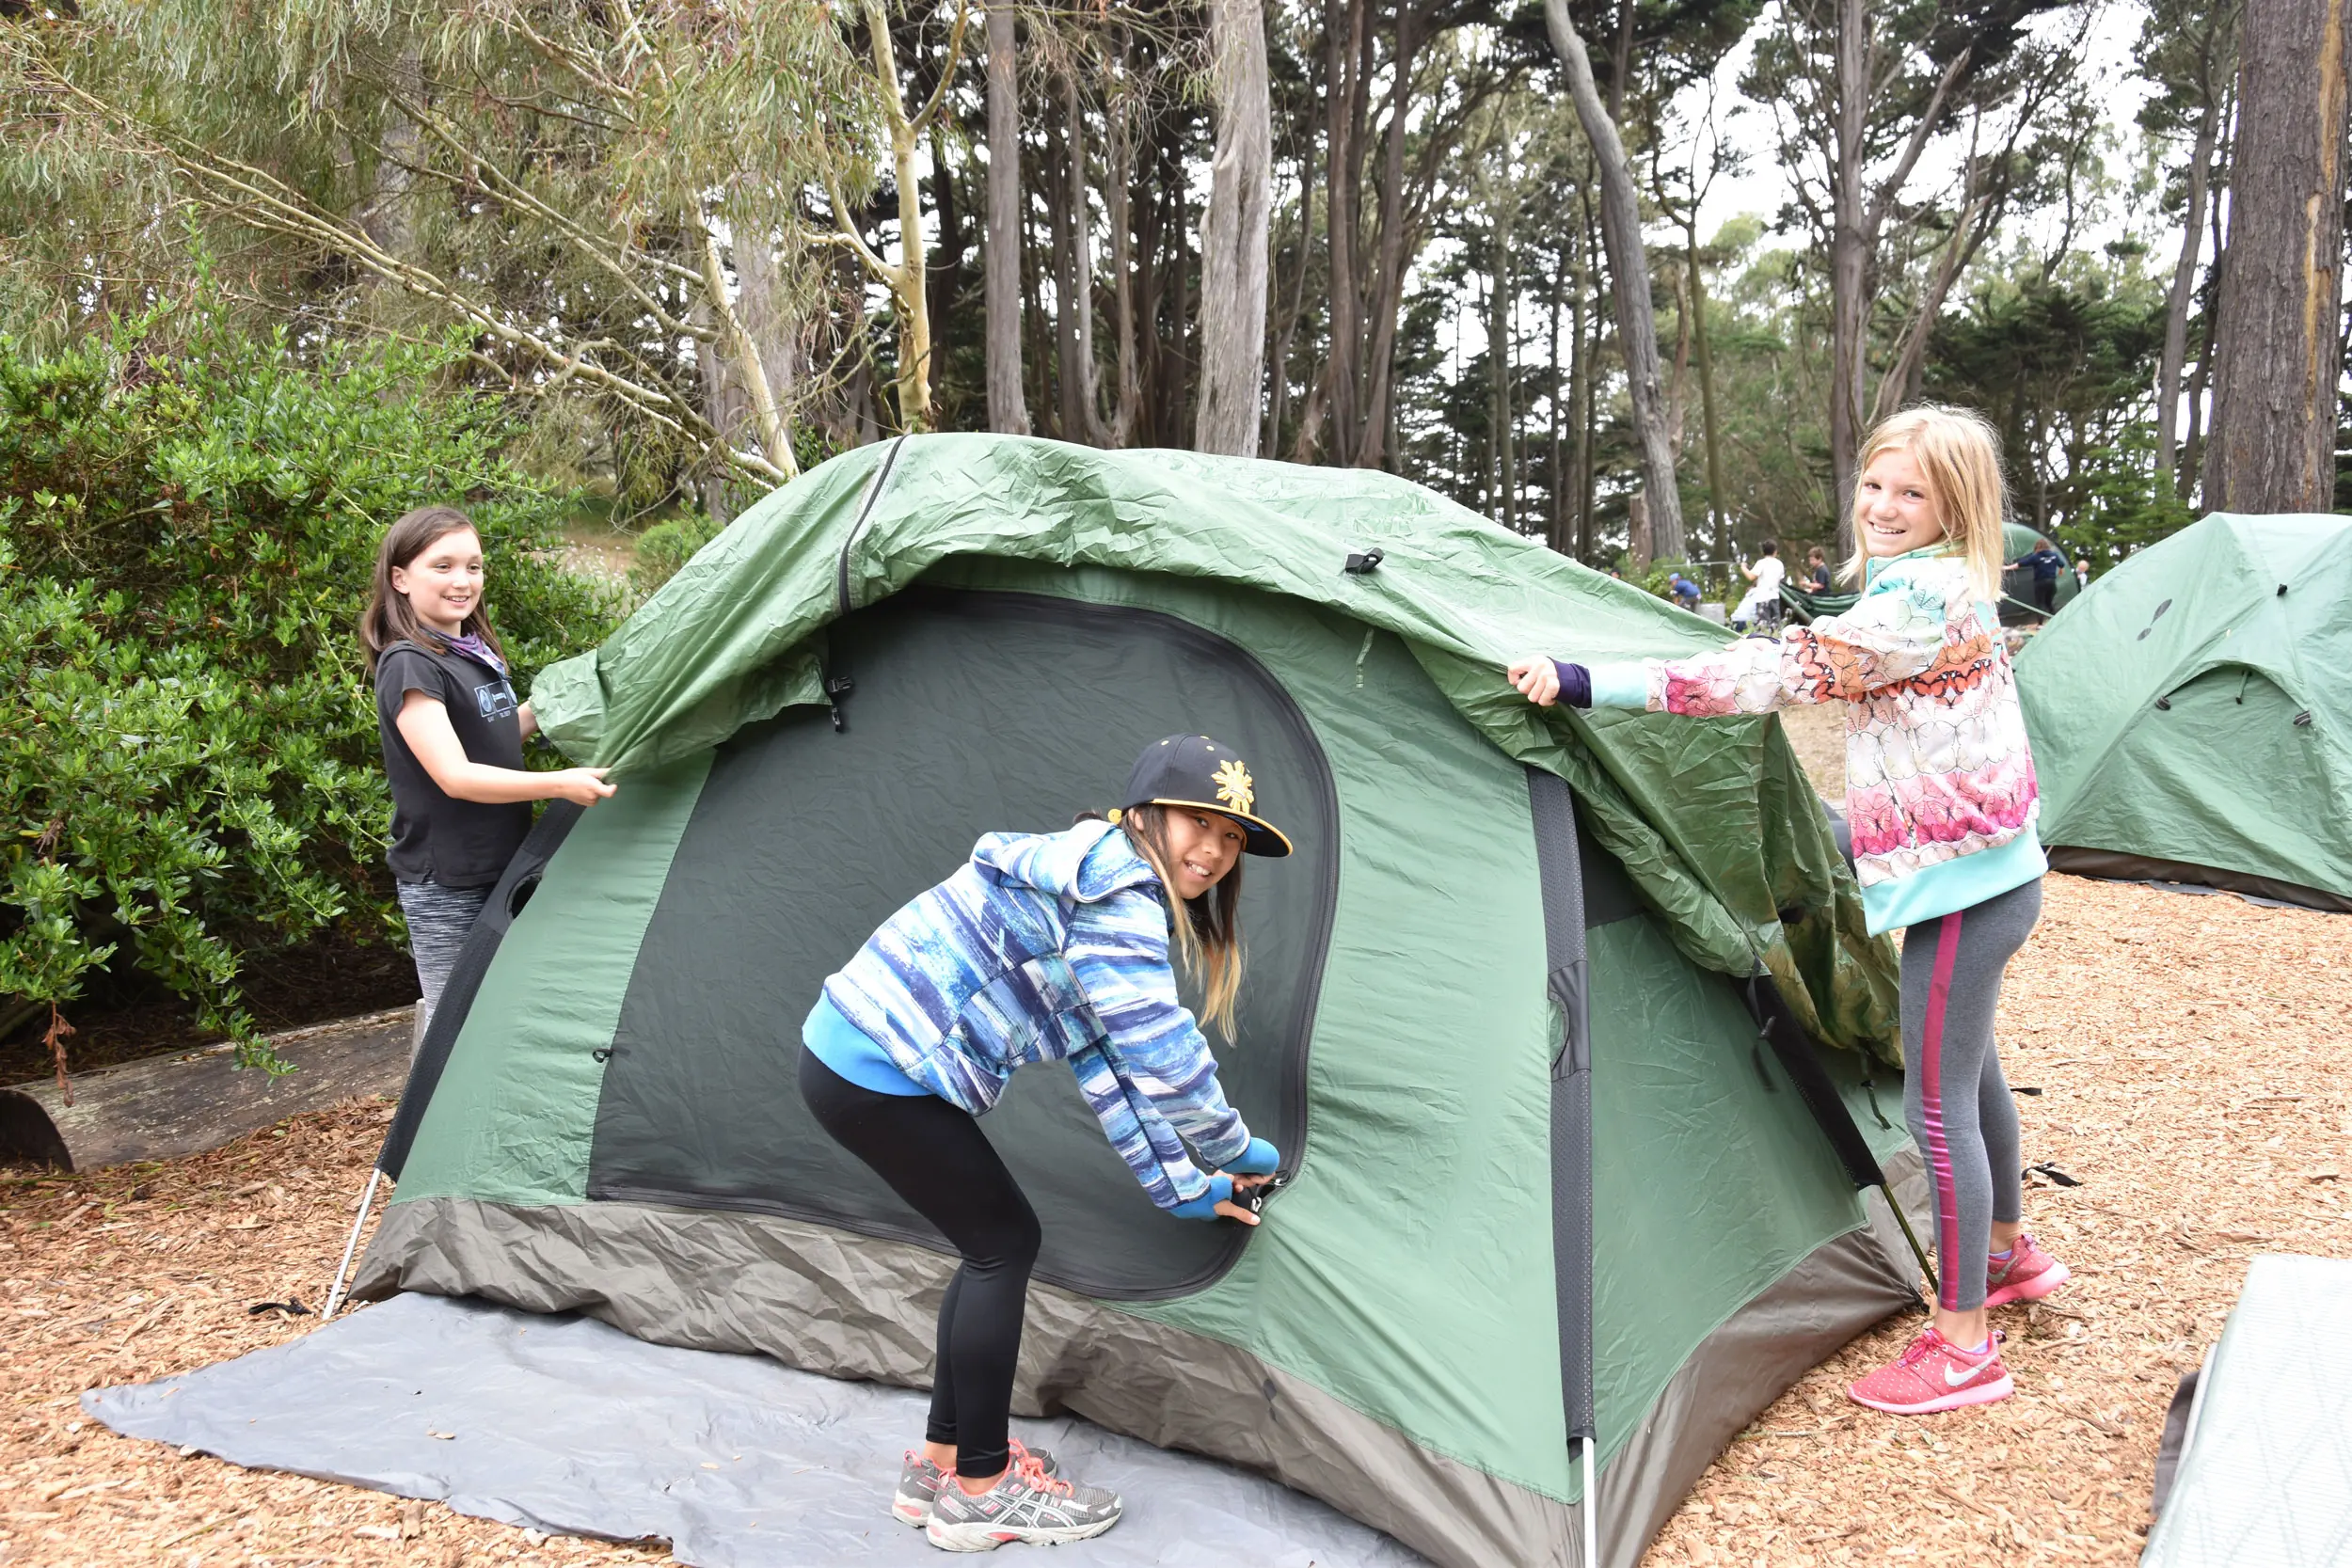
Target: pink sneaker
[
  {"x": 1934, "y": 1374},
  {"x": 2030, "y": 1274}
]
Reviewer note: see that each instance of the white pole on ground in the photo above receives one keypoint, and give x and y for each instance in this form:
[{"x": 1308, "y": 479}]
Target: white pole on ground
[
  {"x": 1592, "y": 1523},
  {"x": 367, "y": 1201}
]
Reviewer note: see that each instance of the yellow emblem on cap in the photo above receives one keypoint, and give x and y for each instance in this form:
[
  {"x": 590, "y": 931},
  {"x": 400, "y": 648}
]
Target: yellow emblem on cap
[{"x": 1233, "y": 784}]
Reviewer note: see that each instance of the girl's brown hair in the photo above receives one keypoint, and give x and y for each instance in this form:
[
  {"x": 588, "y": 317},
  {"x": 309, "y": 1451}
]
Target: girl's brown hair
[
  {"x": 1208, "y": 931},
  {"x": 389, "y": 618},
  {"x": 1961, "y": 455}
]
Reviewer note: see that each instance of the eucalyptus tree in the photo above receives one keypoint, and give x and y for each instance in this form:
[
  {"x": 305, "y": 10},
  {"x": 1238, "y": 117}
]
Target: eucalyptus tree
[
  {"x": 878, "y": 93},
  {"x": 1233, "y": 231},
  {"x": 593, "y": 193},
  {"x": 1860, "y": 93},
  {"x": 2188, "y": 48},
  {"x": 1007, "y": 411},
  {"x": 1628, "y": 275}
]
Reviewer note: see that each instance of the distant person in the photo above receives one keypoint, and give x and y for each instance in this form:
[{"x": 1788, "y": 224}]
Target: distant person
[
  {"x": 1042, "y": 947},
  {"x": 1686, "y": 593},
  {"x": 2046, "y": 563},
  {"x": 453, "y": 736},
  {"x": 2082, "y": 573},
  {"x": 1941, "y": 803},
  {"x": 1817, "y": 570},
  {"x": 1762, "y": 602}
]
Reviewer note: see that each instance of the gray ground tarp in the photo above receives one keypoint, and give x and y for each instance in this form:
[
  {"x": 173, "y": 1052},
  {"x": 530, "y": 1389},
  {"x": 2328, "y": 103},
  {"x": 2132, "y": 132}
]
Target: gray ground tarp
[{"x": 570, "y": 1426}]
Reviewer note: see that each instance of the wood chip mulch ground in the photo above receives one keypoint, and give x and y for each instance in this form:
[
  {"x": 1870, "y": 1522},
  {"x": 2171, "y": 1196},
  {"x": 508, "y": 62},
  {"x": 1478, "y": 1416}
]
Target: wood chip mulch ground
[{"x": 2192, "y": 1054}]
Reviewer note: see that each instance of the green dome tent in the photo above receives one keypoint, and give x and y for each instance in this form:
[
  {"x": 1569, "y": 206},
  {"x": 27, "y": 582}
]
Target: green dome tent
[
  {"x": 2191, "y": 715},
  {"x": 1528, "y": 1011}
]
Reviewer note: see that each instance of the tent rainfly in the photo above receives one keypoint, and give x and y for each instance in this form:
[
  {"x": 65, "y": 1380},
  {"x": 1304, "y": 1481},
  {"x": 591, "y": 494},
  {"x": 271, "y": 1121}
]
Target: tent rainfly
[
  {"x": 1568, "y": 1025},
  {"x": 2191, "y": 715}
]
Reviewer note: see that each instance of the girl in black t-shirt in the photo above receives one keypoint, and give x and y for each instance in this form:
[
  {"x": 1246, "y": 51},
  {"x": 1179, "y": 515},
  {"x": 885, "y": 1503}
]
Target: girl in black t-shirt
[{"x": 453, "y": 737}]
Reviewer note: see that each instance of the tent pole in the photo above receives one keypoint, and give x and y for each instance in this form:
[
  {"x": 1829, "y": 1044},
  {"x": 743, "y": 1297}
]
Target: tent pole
[
  {"x": 1909, "y": 1235},
  {"x": 1592, "y": 1522},
  {"x": 367, "y": 1201}
]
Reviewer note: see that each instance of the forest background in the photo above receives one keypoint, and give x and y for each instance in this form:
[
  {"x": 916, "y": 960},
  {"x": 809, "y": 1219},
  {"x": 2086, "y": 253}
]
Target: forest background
[{"x": 1630, "y": 276}]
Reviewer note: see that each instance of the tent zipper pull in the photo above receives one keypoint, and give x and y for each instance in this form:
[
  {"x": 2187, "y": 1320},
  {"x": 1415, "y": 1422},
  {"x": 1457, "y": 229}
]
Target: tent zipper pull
[{"x": 836, "y": 689}]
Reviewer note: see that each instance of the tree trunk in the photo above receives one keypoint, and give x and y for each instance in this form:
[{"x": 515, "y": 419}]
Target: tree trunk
[
  {"x": 744, "y": 359},
  {"x": 391, "y": 217},
  {"x": 1629, "y": 277},
  {"x": 1344, "y": 41},
  {"x": 2200, "y": 382},
  {"x": 1719, "y": 526},
  {"x": 774, "y": 332},
  {"x": 1070, "y": 421},
  {"x": 1584, "y": 326},
  {"x": 1007, "y": 407},
  {"x": 1388, "y": 280},
  {"x": 1849, "y": 265},
  {"x": 2184, "y": 289},
  {"x": 726, "y": 408},
  {"x": 1556, "y": 525},
  {"x": 1903, "y": 377},
  {"x": 1118, "y": 172},
  {"x": 1498, "y": 363},
  {"x": 2273, "y": 438},
  {"x": 1233, "y": 234},
  {"x": 1082, "y": 266},
  {"x": 1179, "y": 360},
  {"x": 1278, "y": 402}
]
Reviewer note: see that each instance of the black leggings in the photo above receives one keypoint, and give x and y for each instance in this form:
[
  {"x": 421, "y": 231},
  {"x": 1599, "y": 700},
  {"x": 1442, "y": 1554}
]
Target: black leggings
[{"x": 935, "y": 1156}]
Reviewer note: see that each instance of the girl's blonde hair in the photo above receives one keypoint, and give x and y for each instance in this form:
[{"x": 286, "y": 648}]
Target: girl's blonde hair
[
  {"x": 1959, "y": 451},
  {"x": 388, "y": 618},
  {"x": 1207, "y": 929}
]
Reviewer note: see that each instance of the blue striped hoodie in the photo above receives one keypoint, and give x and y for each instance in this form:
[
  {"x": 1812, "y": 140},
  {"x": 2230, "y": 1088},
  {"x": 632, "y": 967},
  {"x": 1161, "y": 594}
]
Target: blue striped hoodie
[{"x": 1045, "y": 947}]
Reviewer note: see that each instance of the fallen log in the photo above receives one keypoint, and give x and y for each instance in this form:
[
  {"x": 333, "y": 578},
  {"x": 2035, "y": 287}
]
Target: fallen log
[{"x": 167, "y": 1107}]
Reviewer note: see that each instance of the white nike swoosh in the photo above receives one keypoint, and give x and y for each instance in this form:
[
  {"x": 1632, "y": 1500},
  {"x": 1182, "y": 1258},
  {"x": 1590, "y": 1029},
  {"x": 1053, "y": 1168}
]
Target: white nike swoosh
[{"x": 1965, "y": 1373}]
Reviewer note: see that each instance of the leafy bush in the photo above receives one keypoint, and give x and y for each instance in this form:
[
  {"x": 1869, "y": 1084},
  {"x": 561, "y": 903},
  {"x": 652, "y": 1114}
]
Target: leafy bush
[
  {"x": 664, "y": 547},
  {"x": 190, "y": 769}
]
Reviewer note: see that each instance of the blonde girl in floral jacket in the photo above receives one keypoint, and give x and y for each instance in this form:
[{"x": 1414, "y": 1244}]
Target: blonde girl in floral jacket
[{"x": 1941, "y": 796}]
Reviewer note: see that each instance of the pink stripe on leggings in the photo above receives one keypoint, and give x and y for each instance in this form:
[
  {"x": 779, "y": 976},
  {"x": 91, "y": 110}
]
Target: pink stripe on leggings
[{"x": 1931, "y": 1108}]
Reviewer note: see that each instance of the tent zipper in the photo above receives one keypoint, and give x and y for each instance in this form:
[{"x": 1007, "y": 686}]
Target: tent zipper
[{"x": 857, "y": 529}]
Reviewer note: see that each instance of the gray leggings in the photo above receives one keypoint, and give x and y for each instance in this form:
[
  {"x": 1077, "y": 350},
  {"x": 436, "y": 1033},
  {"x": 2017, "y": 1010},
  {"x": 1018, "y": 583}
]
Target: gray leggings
[
  {"x": 439, "y": 919},
  {"x": 1959, "y": 1104}
]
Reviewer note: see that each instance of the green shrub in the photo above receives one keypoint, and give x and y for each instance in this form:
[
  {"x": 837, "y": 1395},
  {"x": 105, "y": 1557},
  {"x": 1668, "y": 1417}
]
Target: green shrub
[
  {"x": 664, "y": 547},
  {"x": 189, "y": 770}
]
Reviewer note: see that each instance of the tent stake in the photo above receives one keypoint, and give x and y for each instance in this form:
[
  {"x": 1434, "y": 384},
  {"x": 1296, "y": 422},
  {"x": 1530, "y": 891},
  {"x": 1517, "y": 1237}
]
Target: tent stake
[
  {"x": 1917, "y": 1250},
  {"x": 1592, "y": 1523},
  {"x": 367, "y": 1201}
]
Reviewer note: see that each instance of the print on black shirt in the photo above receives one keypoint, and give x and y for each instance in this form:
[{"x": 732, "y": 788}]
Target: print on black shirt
[{"x": 495, "y": 701}]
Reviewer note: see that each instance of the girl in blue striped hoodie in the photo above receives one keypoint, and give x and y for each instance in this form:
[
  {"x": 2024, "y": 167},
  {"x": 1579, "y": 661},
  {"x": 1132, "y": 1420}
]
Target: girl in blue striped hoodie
[{"x": 1042, "y": 947}]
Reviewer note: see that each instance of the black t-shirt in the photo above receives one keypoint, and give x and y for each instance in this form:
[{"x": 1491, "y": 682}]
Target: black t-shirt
[{"x": 436, "y": 836}]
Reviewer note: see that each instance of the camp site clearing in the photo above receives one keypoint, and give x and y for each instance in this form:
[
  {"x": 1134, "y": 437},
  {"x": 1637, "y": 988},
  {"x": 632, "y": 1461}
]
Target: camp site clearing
[{"x": 2189, "y": 1051}]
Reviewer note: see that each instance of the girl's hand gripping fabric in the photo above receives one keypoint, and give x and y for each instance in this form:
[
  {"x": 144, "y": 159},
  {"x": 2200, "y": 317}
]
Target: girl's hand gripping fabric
[
  {"x": 1544, "y": 680},
  {"x": 1217, "y": 1203}
]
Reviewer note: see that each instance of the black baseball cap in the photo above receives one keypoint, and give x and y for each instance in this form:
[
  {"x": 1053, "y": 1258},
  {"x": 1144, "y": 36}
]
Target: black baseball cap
[{"x": 1194, "y": 770}]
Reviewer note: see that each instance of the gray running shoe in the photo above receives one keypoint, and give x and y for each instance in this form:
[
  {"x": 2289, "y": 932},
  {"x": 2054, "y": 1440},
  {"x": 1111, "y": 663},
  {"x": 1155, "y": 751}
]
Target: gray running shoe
[
  {"x": 1026, "y": 1505},
  {"x": 919, "y": 1480}
]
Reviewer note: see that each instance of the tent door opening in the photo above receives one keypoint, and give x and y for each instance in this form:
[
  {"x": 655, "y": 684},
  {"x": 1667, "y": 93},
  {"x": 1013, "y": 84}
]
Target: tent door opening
[{"x": 974, "y": 712}]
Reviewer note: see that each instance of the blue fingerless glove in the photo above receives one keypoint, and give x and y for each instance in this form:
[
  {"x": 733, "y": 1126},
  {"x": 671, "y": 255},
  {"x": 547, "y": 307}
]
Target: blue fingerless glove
[
  {"x": 1204, "y": 1207},
  {"x": 1260, "y": 1159},
  {"x": 1576, "y": 684}
]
